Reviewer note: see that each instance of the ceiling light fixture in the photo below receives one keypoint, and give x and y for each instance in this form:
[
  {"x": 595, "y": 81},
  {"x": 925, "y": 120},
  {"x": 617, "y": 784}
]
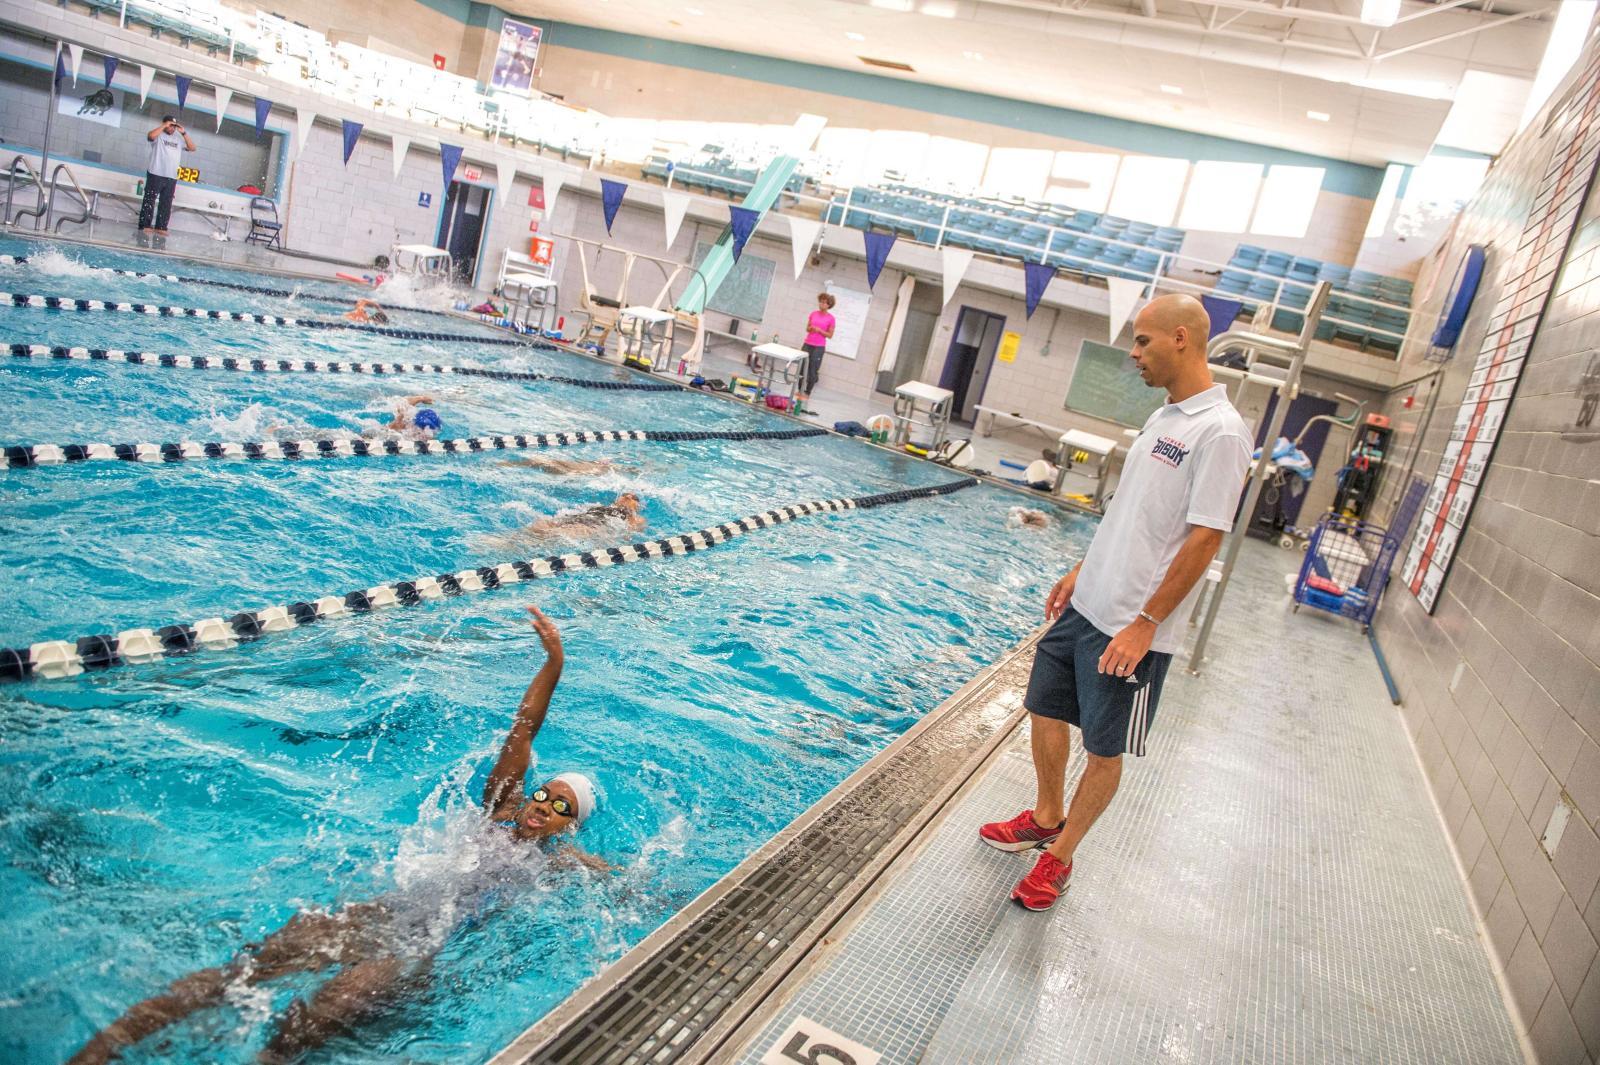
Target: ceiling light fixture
[
  {"x": 973, "y": 55},
  {"x": 694, "y": 11},
  {"x": 938, "y": 8},
  {"x": 854, "y": 36},
  {"x": 892, "y": 5},
  {"x": 1380, "y": 12},
  {"x": 1318, "y": 116},
  {"x": 1172, "y": 90}
]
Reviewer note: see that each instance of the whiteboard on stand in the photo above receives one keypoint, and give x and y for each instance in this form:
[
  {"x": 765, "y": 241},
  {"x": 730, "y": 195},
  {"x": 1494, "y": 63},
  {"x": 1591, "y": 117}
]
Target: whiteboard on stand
[{"x": 849, "y": 319}]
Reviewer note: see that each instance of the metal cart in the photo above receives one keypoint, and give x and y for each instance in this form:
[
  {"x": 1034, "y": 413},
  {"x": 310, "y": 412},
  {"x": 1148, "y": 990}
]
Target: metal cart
[{"x": 1347, "y": 561}]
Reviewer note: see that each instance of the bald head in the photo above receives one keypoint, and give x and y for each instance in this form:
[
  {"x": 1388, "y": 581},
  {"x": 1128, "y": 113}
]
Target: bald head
[{"x": 1169, "y": 344}]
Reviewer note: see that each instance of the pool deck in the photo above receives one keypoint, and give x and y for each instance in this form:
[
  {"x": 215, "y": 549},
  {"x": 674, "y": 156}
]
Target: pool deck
[{"x": 1272, "y": 883}]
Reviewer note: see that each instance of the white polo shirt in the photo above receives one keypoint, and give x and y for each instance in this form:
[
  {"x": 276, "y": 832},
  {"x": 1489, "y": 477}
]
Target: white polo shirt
[{"x": 1186, "y": 467}]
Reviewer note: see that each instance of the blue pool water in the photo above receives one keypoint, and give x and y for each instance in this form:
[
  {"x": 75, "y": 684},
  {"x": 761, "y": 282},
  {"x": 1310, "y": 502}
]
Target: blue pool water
[{"x": 160, "y": 816}]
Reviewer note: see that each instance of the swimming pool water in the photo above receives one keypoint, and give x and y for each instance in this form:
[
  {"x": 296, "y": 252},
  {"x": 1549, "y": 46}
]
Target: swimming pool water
[{"x": 158, "y": 817}]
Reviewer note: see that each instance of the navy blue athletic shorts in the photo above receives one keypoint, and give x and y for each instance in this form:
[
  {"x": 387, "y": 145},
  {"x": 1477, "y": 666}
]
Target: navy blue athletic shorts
[{"x": 1114, "y": 712}]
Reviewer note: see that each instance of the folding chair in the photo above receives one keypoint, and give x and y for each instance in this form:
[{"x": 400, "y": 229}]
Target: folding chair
[{"x": 264, "y": 225}]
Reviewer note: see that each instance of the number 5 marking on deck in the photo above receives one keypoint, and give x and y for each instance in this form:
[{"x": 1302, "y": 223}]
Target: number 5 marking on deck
[{"x": 808, "y": 1043}]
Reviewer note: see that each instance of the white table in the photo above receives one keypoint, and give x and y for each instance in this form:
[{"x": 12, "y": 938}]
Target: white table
[
  {"x": 1100, "y": 450},
  {"x": 646, "y": 336},
  {"x": 777, "y": 364},
  {"x": 994, "y": 413},
  {"x": 535, "y": 300},
  {"x": 919, "y": 398},
  {"x": 425, "y": 259}
]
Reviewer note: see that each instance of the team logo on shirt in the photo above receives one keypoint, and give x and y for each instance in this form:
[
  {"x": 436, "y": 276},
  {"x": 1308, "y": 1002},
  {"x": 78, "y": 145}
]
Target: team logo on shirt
[{"x": 1170, "y": 451}]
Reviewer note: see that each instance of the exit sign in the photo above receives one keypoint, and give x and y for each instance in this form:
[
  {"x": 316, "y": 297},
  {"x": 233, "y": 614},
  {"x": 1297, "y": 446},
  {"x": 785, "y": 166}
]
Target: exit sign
[{"x": 472, "y": 173}]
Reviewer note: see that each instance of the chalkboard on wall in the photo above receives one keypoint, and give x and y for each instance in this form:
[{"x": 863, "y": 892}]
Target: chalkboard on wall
[
  {"x": 1105, "y": 385},
  {"x": 744, "y": 294}
]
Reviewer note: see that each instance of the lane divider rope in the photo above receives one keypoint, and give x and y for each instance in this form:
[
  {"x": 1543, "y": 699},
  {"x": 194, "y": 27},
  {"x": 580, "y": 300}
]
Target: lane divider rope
[
  {"x": 54, "y": 659},
  {"x": 70, "y": 303},
  {"x": 26, "y": 456},
  {"x": 22, "y": 260},
  {"x": 241, "y": 364}
]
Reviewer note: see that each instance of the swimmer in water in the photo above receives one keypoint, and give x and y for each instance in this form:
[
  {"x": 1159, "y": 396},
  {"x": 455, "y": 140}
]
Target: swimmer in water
[
  {"x": 1027, "y": 518},
  {"x": 368, "y": 311},
  {"x": 378, "y": 947},
  {"x": 411, "y": 419},
  {"x": 569, "y": 467}
]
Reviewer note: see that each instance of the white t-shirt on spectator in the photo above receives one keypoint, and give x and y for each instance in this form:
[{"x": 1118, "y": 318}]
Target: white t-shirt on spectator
[
  {"x": 165, "y": 152},
  {"x": 1185, "y": 468}
]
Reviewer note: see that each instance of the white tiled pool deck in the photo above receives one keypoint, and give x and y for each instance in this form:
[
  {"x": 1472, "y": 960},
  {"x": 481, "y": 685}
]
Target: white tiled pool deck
[{"x": 1272, "y": 884}]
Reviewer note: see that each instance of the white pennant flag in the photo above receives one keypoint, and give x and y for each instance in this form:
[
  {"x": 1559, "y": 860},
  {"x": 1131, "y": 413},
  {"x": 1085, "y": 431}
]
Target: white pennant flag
[
  {"x": 673, "y": 207},
  {"x": 399, "y": 143},
  {"x": 1124, "y": 294},
  {"x": 75, "y": 53},
  {"x": 803, "y": 233},
  {"x": 147, "y": 74},
  {"x": 505, "y": 178},
  {"x": 553, "y": 180},
  {"x": 304, "y": 119},
  {"x": 954, "y": 263},
  {"x": 224, "y": 97}
]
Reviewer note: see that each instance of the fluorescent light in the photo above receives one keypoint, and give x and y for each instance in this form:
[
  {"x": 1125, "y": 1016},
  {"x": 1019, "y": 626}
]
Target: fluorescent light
[
  {"x": 1380, "y": 12},
  {"x": 694, "y": 11},
  {"x": 978, "y": 56},
  {"x": 1318, "y": 116},
  {"x": 892, "y": 5},
  {"x": 1172, "y": 90},
  {"x": 854, "y": 36},
  {"x": 938, "y": 8}
]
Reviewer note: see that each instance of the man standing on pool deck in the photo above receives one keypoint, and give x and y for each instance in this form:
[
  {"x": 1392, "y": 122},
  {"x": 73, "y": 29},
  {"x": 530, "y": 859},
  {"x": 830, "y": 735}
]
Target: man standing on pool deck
[
  {"x": 168, "y": 142},
  {"x": 1119, "y": 614}
]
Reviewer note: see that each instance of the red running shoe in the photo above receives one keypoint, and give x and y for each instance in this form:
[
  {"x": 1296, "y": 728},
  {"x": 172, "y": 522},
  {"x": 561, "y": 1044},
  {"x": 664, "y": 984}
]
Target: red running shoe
[
  {"x": 1040, "y": 888},
  {"x": 1021, "y": 833}
]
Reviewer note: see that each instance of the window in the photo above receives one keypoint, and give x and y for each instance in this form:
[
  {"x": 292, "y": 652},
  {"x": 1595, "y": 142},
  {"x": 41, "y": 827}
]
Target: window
[
  {"x": 844, "y": 151},
  {"x": 1148, "y": 188},
  {"x": 894, "y": 152},
  {"x": 1288, "y": 199},
  {"x": 956, "y": 163},
  {"x": 1083, "y": 179},
  {"x": 1220, "y": 196},
  {"x": 1383, "y": 208},
  {"x": 1017, "y": 172}
]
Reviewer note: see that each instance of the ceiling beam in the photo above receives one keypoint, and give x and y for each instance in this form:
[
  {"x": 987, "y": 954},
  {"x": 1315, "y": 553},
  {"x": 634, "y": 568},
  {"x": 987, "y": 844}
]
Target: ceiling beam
[{"x": 1391, "y": 53}]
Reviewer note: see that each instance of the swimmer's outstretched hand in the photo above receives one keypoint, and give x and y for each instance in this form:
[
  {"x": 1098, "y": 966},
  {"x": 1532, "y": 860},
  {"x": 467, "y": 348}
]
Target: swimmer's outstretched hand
[{"x": 549, "y": 635}]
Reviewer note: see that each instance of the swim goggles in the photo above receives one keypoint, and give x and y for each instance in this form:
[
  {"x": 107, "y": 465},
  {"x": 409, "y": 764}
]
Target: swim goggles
[{"x": 558, "y": 804}]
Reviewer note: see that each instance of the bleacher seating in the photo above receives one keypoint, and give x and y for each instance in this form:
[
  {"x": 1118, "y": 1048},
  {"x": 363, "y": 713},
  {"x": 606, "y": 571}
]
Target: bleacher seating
[
  {"x": 1256, "y": 274},
  {"x": 219, "y": 28},
  {"x": 1082, "y": 241},
  {"x": 715, "y": 173}
]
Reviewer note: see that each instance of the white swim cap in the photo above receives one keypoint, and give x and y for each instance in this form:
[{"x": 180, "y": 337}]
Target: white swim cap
[{"x": 583, "y": 788}]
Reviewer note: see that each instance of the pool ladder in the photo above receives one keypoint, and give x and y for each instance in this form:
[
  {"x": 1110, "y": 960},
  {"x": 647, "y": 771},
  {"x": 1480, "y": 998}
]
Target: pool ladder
[{"x": 45, "y": 207}]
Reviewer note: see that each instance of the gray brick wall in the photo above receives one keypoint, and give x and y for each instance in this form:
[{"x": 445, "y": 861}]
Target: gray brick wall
[{"x": 1501, "y": 685}]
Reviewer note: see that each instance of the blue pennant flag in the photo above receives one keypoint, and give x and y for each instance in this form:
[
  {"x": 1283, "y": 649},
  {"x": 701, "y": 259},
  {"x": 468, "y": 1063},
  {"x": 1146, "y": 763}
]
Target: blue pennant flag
[
  {"x": 450, "y": 157},
  {"x": 61, "y": 65},
  {"x": 878, "y": 245},
  {"x": 263, "y": 109},
  {"x": 611, "y": 193},
  {"x": 352, "y": 133},
  {"x": 111, "y": 68},
  {"x": 743, "y": 222},
  {"x": 1222, "y": 312},
  {"x": 183, "y": 90},
  {"x": 1036, "y": 278}
]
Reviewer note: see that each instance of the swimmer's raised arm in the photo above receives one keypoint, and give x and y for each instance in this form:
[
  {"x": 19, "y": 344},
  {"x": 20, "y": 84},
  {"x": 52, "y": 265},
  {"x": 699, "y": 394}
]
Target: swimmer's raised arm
[{"x": 503, "y": 792}]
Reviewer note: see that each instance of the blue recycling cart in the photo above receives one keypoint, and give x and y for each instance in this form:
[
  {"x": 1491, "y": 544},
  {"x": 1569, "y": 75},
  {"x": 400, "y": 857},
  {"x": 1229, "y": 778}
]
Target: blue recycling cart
[{"x": 1347, "y": 561}]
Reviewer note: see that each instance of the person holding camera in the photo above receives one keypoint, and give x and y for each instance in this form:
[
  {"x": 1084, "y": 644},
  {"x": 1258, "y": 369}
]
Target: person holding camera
[{"x": 168, "y": 142}]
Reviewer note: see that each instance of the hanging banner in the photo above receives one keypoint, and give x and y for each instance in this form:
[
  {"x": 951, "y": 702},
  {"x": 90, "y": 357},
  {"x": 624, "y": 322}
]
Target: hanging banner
[
  {"x": 183, "y": 90},
  {"x": 449, "y": 158},
  {"x": 111, "y": 69},
  {"x": 803, "y": 233},
  {"x": 75, "y": 53},
  {"x": 61, "y": 67},
  {"x": 1124, "y": 296},
  {"x": 224, "y": 98},
  {"x": 147, "y": 74},
  {"x": 611, "y": 193},
  {"x": 890, "y": 353},
  {"x": 516, "y": 59},
  {"x": 1222, "y": 312},
  {"x": 743, "y": 221},
  {"x": 1036, "y": 277},
  {"x": 352, "y": 133},
  {"x": 263, "y": 109},
  {"x": 101, "y": 106},
  {"x": 505, "y": 178},
  {"x": 878, "y": 245},
  {"x": 673, "y": 207},
  {"x": 554, "y": 178},
  {"x": 399, "y": 143},
  {"x": 304, "y": 119},
  {"x": 953, "y": 265}
]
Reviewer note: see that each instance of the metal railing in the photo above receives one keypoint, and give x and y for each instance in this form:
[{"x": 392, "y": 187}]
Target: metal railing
[
  {"x": 77, "y": 190},
  {"x": 11, "y": 188}
]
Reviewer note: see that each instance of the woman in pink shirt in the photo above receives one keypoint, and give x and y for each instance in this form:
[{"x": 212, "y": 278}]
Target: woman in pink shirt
[{"x": 819, "y": 329}]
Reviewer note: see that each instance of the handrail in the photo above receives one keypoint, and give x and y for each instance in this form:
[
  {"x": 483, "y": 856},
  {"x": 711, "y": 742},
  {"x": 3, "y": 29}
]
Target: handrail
[
  {"x": 50, "y": 200},
  {"x": 11, "y": 185}
]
